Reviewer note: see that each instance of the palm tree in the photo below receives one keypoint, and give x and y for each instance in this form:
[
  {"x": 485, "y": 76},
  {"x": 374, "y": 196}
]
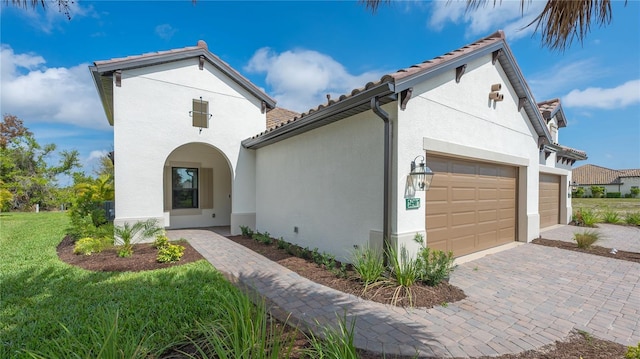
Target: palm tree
[
  {"x": 559, "y": 23},
  {"x": 63, "y": 5}
]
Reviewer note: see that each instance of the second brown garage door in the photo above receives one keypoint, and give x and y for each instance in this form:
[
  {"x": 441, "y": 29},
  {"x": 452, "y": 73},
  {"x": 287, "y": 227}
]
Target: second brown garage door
[
  {"x": 549, "y": 200},
  {"x": 470, "y": 206}
]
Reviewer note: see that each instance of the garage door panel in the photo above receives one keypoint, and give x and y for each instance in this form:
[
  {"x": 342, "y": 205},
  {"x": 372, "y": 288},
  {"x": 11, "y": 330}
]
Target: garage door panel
[
  {"x": 549, "y": 200},
  {"x": 480, "y": 207}
]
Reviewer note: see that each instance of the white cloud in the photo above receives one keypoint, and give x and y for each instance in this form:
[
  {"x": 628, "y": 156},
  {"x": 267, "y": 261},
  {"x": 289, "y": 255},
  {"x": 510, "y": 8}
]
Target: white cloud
[
  {"x": 506, "y": 15},
  {"x": 165, "y": 31},
  {"x": 36, "y": 93},
  {"x": 563, "y": 76},
  {"x": 301, "y": 79},
  {"x": 605, "y": 98}
]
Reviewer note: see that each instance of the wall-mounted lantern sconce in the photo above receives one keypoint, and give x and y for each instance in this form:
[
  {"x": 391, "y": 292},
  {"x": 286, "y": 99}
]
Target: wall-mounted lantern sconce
[
  {"x": 494, "y": 94},
  {"x": 573, "y": 186},
  {"x": 421, "y": 175}
]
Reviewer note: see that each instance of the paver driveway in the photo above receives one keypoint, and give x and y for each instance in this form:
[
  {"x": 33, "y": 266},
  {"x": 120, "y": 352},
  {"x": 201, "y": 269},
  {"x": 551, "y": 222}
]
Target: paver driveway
[{"x": 518, "y": 299}]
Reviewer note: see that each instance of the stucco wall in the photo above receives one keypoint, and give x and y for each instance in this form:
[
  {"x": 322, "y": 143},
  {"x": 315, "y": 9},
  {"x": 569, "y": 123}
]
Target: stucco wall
[
  {"x": 151, "y": 119},
  {"x": 327, "y": 182},
  {"x": 457, "y": 119}
]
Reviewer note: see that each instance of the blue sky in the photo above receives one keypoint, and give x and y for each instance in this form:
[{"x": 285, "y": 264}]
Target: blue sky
[{"x": 298, "y": 51}]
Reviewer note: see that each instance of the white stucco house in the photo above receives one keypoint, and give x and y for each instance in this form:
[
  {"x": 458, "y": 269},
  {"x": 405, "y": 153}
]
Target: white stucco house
[
  {"x": 192, "y": 149},
  {"x": 622, "y": 181}
]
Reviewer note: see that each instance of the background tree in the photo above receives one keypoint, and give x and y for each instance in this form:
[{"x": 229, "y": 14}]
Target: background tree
[
  {"x": 24, "y": 170},
  {"x": 559, "y": 23}
]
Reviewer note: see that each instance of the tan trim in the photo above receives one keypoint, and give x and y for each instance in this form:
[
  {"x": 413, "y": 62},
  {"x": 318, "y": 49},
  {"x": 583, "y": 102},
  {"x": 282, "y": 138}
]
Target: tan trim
[{"x": 206, "y": 188}]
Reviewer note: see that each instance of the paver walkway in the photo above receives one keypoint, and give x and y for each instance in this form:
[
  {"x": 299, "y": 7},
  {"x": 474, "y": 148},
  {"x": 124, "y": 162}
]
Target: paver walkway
[{"x": 519, "y": 299}]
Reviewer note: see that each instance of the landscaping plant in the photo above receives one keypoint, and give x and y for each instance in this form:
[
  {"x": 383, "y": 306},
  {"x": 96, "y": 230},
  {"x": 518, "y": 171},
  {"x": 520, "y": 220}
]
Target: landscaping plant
[
  {"x": 404, "y": 270},
  {"x": 87, "y": 246},
  {"x": 128, "y": 234},
  {"x": 585, "y": 217},
  {"x": 337, "y": 342},
  {"x": 246, "y": 231},
  {"x": 244, "y": 331},
  {"x": 633, "y": 352},
  {"x": 170, "y": 253},
  {"x": 434, "y": 265},
  {"x": 369, "y": 265},
  {"x": 632, "y": 218},
  {"x": 610, "y": 216},
  {"x": 586, "y": 239}
]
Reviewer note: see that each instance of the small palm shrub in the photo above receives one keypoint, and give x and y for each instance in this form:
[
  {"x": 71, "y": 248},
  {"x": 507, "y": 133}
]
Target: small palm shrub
[
  {"x": 127, "y": 234},
  {"x": 632, "y": 218},
  {"x": 369, "y": 265},
  {"x": 610, "y": 216},
  {"x": 170, "y": 253},
  {"x": 586, "y": 239},
  {"x": 87, "y": 246},
  {"x": 434, "y": 265}
]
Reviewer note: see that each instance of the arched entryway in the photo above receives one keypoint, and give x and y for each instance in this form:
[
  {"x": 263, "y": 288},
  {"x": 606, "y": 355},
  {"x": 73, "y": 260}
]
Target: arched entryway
[{"x": 197, "y": 187}]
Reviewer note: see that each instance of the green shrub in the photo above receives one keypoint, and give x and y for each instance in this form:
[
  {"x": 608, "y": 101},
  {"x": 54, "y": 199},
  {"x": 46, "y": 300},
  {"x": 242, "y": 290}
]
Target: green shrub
[
  {"x": 264, "y": 238},
  {"x": 434, "y": 265},
  {"x": 88, "y": 245},
  {"x": 578, "y": 193},
  {"x": 613, "y": 194},
  {"x": 170, "y": 253},
  {"x": 281, "y": 243},
  {"x": 586, "y": 238},
  {"x": 632, "y": 218},
  {"x": 585, "y": 217},
  {"x": 369, "y": 265},
  {"x": 635, "y": 191},
  {"x": 610, "y": 216},
  {"x": 161, "y": 241},
  {"x": 246, "y": 231},
  {"x": 597, "y": 191},
  {"x": 633, "y": 352}
]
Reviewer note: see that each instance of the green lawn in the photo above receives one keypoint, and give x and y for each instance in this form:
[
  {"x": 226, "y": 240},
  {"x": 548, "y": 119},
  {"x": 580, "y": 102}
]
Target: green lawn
[
  {"x": 41, "y": 295},
  {"x": 620, "y": 205}
]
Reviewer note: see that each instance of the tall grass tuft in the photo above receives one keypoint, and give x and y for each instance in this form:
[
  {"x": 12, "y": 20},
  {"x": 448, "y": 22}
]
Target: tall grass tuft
[
  {"x": 610, "y": 216},
  {"x": 585, "y": 217},
  {"x": 632, "y": 218},
  {"x": 337, "y": 342},
  {"x": 107, "y": 340},
  {"x": 586, "y": 239},
  {"x": 245, "y": 331},
  {"x": 405, "y": 271},
  {"x": 369, "y": 265}
]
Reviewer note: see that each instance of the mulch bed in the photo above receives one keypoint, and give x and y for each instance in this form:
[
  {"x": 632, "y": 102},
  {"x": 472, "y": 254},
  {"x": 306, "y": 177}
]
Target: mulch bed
[
  {"x": 143, "y": 258},
  {"x": 421, "y": 295},
  {"x": 595, "y": 250}
]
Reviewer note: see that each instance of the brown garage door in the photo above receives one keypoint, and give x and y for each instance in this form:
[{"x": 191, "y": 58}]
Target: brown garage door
[
  {"x": 471, "y": 206},
  {"x": 549, "y": 200}
]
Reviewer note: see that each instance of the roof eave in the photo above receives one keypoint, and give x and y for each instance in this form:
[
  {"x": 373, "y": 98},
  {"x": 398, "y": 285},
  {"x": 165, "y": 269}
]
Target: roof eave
[
  {"x": 322, "y": 117},
  {"x": 102, "y": 93},
  {"x": 127, "y": 64}
]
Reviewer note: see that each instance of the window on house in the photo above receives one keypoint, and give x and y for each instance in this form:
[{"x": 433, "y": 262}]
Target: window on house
[
  {"x": 184, "y": 187},
  {"x": 200, "y": 113}
]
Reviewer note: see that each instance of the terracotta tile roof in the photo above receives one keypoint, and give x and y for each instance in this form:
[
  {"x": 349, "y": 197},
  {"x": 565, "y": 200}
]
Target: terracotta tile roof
[
  {"x": 573, "y": 150},
  {"x": 401, "y": 76},
  {"x": 597, "y": 175},
  {"x": 550, "y": 108},
  {"x": 279, "y": 115}
]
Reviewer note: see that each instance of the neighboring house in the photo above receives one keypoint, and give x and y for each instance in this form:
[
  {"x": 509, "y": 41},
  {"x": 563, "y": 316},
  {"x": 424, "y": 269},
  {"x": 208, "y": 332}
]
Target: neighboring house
[
  {"x": 612, "y": 180},
  {"x": 194, "y": 148}
]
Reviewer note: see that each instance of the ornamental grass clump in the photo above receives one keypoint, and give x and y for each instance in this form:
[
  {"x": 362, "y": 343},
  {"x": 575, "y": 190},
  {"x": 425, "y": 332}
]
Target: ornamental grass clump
[
  {"x": 610, "y": 216},
  {"x": 404, "y": 270},
  {"x": 586, "y": 239},
  {"x": 585, "y": 217},
  {"x": 369, "y": 265},
  {"x": 632, "y": 218}
]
